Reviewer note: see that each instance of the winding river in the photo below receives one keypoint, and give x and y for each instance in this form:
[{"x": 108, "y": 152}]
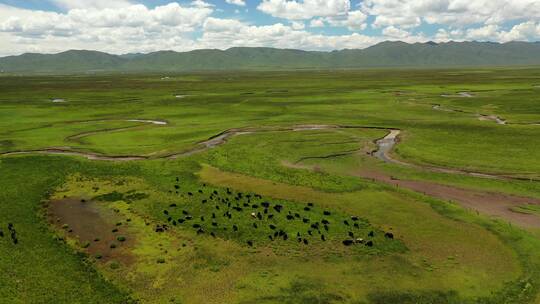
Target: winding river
[{"x": 383, "y": 152}]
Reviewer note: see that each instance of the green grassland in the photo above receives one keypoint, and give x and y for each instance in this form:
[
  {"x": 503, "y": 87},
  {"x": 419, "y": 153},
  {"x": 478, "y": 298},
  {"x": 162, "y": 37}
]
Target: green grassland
[{"x": 438, "y": 253}]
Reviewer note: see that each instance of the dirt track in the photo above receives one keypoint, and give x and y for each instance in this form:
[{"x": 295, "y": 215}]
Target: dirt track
[{"x": 493, "y": 204}]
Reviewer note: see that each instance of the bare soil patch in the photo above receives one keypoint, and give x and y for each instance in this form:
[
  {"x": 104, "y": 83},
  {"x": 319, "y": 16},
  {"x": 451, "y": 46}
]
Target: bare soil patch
[
  {"x": 94, "y": 227},
  {"x": 493, "y": 204}
]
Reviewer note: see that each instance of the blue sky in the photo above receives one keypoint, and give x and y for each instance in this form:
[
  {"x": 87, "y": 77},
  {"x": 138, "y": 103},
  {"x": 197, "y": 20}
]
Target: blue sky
[{"x": 121, "y": 26}]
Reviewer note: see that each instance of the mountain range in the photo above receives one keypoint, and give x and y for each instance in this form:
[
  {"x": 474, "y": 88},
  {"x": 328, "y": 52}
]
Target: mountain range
[{"x": 385, "y": 54}]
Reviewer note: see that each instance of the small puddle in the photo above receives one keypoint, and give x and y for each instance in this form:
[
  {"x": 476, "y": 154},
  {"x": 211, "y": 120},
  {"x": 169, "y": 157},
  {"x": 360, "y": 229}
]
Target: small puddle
[
  {"x": 494, "y": 118},
  {"x": 458, "y": 95},
  {"x": 154, "y": 122}
]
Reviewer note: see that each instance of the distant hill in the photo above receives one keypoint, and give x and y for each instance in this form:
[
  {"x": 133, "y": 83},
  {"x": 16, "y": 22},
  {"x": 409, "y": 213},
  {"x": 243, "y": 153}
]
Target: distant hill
[{"x": 385, "y": 54}]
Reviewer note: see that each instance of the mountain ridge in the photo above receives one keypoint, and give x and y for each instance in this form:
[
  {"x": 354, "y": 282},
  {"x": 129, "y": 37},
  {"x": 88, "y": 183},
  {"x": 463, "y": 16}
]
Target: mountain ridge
[{"x": 384, "y": 54}]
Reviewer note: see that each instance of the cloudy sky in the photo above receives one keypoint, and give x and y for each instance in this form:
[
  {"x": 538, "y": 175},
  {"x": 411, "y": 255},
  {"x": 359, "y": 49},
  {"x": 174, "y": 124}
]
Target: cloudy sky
[{"x": 126, "y": 26}]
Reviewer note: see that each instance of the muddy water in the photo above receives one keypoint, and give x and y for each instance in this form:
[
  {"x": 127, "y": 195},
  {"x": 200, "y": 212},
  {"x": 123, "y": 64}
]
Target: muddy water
[
  {"x": 385, "y": 145},
  {"x": 88, "y": 222}
]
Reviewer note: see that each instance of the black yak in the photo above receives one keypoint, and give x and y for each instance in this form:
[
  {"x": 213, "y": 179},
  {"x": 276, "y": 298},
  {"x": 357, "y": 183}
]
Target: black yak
[{"x": 348, "y": 242}]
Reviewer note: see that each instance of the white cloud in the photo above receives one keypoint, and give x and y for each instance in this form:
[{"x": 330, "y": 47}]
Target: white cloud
[
  {"x": 236, "y": 2},
  {"x": 457, "y": 13},
  {"x": 199, "y": 4},
  {"x": 225, "y": 33},
  {"x": 118, "y": 30},
  {"x": 483, "y": 33},
  {"x": 115, "y": 27},
  {"x": 524, "y": 31},
  {"x": 304, "y": 9},
  {"x": 71, "y": 4},
  {"x": 528, "y": 30},
  {"x": 394, "y": 32},
  {"x": 296, "y": 25},
  {"x": 353, "y": 20},
  {"x": 319, "y": 22}
]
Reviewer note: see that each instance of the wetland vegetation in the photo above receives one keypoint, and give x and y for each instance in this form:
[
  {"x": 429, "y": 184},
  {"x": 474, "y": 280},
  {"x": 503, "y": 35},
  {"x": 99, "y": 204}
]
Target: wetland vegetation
[{"x": 271, "y": 187}]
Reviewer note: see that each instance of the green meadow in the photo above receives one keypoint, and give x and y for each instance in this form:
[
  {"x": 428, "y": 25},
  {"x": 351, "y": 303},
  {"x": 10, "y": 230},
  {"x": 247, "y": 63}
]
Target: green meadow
[{"x": 264, "y": 187}]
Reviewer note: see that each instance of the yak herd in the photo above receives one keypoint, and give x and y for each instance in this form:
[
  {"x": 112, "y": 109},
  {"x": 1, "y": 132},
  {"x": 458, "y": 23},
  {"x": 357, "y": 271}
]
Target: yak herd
[{"x": 235, "y": 212}]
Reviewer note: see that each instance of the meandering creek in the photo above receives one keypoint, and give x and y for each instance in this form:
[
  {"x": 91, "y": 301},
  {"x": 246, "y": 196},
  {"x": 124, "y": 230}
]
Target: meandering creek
[{"x": 385, "y": 146}]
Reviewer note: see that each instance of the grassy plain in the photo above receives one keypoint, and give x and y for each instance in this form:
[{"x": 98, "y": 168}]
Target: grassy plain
[{"x": 440, "y": 253}]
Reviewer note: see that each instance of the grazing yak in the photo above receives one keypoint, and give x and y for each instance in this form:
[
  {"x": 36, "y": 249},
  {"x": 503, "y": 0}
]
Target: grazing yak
[{"x": 348, "y": 242}]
